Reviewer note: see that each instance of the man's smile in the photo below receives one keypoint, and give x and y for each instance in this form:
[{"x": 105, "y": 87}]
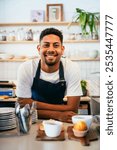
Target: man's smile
[{"x": 51, "y": 54}]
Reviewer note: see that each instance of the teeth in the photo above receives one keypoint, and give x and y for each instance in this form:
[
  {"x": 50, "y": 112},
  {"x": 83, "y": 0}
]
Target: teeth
[{"x": 50, "y": 56}]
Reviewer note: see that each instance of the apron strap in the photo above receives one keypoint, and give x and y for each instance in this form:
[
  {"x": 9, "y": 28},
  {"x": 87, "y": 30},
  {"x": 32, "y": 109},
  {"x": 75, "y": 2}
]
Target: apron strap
[
  {"x": 37, "y": 76},
  {"x": 61, "y": 72}
]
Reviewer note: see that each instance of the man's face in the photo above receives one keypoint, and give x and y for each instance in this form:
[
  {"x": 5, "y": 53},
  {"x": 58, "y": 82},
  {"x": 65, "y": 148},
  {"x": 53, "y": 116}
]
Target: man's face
[{"x": 50, "y": 49}]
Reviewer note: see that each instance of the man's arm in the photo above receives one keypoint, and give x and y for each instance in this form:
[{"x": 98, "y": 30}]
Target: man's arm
[
  {"x": 57, "y": 115},
  {"x": 72, "y": 104},
  {"x": 52, "y": 111}
]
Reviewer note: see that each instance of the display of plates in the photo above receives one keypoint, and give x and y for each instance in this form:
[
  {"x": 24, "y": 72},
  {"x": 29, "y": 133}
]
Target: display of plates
[
  {"x": 4, "y": 117},
  {"x": 6, "y": 110},
  {"x": 7, "y": 118}
]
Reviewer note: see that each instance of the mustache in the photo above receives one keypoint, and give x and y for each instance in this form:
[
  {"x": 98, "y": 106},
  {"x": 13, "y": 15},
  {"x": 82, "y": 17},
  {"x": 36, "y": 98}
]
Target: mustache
[{"x": 51, "y": 53}]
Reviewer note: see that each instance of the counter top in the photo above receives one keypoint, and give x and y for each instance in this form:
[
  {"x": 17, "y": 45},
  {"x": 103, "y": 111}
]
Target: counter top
[
  {"x": 97, "y": 99},
  {"x": 9, "y": 140}
]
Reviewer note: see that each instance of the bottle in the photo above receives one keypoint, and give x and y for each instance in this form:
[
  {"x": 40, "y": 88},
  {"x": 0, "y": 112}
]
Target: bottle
[
  {"x": 30, "y": 35},
  {"x": 36, "y": 35},
  {"x": 3, "y": 35},
  {"x": 11, "y": 36},
  {"x": 20, "y": 34}
]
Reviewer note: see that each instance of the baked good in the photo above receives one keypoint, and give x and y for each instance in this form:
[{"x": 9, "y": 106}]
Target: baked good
[
  {"x": 41, "y": 127},
  {"x": 80, "y": 126}
]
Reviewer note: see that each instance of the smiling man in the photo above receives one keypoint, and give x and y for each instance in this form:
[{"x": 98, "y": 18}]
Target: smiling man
[{"x": 48, "y": 79}]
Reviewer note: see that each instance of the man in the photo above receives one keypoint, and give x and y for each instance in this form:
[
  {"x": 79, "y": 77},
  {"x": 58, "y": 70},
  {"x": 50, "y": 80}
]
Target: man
[{"x": 49, "y": 79}]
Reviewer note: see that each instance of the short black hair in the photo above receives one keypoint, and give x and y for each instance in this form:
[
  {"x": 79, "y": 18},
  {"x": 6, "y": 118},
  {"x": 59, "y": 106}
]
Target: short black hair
[{"x": 54, "y": 31}]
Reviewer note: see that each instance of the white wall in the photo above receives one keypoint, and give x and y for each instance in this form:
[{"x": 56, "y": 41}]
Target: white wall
[{"x": 19, "y": 10}]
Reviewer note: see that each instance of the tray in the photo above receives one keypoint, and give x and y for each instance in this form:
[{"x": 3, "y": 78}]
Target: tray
[
  {"x": 41, "y": 136},
  {"x": 91, "y": 136}
]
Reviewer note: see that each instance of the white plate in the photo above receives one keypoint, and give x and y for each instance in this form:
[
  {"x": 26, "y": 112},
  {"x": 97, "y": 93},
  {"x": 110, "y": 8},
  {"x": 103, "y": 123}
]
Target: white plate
[
  {"x": 9, "y": 116},
  {"x": 7, "y": 127},
  {"x": 7, "y": 124},
  {"x": 7, "y": 121},
  {"x": 7, "y": 110}
]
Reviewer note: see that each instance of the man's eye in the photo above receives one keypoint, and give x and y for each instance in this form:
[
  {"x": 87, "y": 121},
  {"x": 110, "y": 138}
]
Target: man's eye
[
  {"x": 46, "y": 45},
  {"x": 56, "y": 45}
]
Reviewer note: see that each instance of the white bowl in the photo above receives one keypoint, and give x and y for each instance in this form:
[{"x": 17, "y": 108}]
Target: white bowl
[
  {"x": 79, "y": 133},
  {"x": 52, "y": 128},
  {"x": 87, "y": 118}
]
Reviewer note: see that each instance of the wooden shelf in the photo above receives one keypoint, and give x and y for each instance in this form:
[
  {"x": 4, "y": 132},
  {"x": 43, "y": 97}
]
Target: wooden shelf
[
  {"x": 22, "y": 60},
  {"x": 18, "y": 42},
  {"x": 36, "y": 24},
  {"x": 33, "y": 42},
  {"x": 39, "y": 23},
  {"x": 82, "y": 41},
  {"x": 13, "y": 60},
  {"x": 85, "y": 59}
]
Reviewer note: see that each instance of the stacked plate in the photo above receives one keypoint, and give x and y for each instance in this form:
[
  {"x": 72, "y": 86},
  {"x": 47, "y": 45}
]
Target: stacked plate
[{"x": 7, "y": 118}]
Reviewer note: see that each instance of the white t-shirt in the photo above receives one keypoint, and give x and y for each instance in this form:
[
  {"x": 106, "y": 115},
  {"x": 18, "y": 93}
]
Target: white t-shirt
[{"x": 27, "y": 72}]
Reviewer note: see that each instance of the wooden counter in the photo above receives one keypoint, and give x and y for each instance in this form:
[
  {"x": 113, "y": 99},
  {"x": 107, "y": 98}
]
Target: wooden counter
[{"x": 9, "y": 140}]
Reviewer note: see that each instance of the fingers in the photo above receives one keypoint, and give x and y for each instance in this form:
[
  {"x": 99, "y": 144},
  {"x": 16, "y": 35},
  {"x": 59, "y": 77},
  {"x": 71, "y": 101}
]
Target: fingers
[
  {"x": 23, "y": 102},
  {"x": 67, "y": 116}
]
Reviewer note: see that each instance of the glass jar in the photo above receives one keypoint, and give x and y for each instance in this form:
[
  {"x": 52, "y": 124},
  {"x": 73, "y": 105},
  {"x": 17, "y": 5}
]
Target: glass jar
[
  {"x": 29, "y": 35},
  {"x": 36, "y": 35},
  {"x": 3, "y": 35},
  {"x": 20, "y": 34},
  {"x": 11, "y": 36},
  {"x": 72, "y": 36}
]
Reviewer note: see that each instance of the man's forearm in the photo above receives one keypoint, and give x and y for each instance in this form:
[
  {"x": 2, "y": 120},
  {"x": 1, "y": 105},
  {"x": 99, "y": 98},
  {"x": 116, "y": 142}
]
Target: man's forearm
[
  {"x": 61, "y": 116},
  {"x": 48, "y": 114},
  {"x": 43, "y": 106},
  {"x": 71, "y": 106}
]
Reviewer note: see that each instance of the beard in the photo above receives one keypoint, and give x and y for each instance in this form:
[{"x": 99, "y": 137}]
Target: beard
[
  {"x": 50, "y": 63},
  {"x": 51, "y": 58}
]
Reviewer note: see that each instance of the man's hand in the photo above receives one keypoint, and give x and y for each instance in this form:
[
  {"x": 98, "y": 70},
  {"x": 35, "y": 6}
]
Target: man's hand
[
  {"x": 66, "y": 116},
  {"x": 25, "y": 101}
]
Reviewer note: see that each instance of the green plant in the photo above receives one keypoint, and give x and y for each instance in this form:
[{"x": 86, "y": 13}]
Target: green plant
[
  {"x": 86, "y": 19},
  {"x": 84, "y": 87}
]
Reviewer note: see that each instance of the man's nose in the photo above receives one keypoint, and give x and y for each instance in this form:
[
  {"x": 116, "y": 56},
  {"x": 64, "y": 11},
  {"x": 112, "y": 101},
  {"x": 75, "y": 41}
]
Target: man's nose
[
  {"x": 51, "y": 52},
  {"x": 51, "y": 47}
]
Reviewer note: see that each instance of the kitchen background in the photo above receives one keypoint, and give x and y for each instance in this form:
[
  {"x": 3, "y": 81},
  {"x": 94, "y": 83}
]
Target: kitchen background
[{"x": 85, "y": 52}]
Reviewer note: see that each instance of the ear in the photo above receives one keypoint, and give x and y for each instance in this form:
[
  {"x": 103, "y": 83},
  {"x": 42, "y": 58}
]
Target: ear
[
  {"x": 63, "y": 48},
  {"x": 38, "y": 48}
]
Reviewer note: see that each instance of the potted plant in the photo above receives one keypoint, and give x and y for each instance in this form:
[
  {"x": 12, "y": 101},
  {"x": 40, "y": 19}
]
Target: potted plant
[
  {"x": 84, "y": 87},
  {"x": 87, "y": 20}
]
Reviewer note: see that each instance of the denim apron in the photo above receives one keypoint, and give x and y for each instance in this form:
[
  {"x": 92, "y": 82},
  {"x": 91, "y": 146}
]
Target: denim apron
[{"x": 47, "y": 92}]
